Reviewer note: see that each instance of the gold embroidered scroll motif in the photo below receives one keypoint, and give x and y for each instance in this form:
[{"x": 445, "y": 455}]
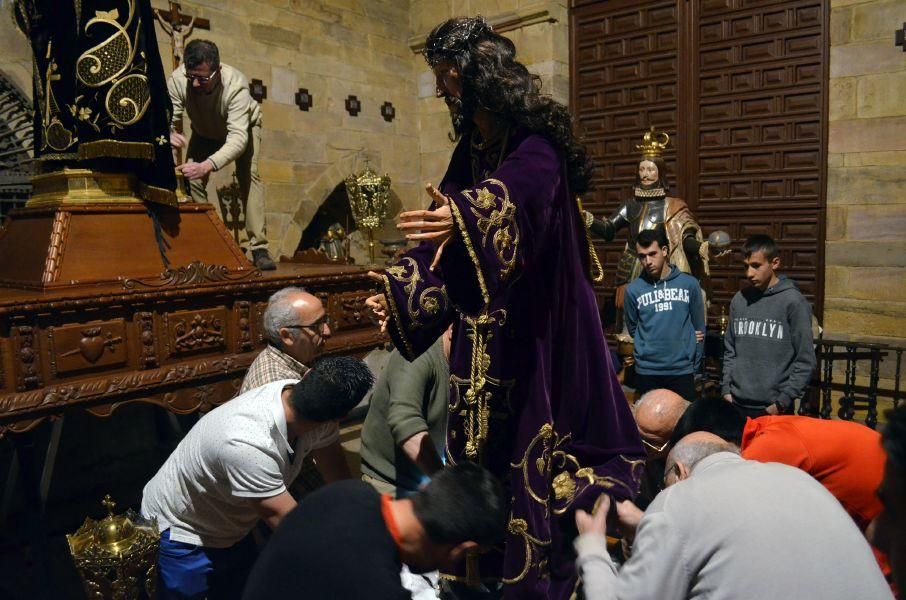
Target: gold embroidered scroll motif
[
  {"x": 568, "y": 485},
  {"x": 432, "y": 300},
  {"x": 533, "y": 549},
  {"x": 500, "y": 224},
  {"x": 106, "y": 61},
  {"x": 549, "y": 441},
  {"x": 129, "y": 95}
]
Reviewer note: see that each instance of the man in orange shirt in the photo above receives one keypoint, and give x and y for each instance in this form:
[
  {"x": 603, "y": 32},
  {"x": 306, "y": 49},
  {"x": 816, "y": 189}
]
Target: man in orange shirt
[{"x": 843, "y": 456}]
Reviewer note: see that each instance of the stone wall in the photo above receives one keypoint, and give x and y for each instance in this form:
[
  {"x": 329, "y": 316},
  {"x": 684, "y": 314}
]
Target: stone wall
[
  {"x": 333, "y": 49},
  {"x": 865, "y": 288},
  {"x": 15, "y": 53},
  {"x": 540, "y": 31}
]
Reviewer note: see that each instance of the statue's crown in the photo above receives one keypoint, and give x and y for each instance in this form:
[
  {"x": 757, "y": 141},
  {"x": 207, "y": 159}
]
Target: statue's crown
[{"x": 653, "y": 143}]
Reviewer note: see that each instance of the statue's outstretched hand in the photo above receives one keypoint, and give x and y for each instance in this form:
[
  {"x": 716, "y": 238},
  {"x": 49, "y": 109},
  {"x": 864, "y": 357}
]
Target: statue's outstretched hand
[
  {"x": 435, "y": 225},
  {"x": 378, "y": 303}
]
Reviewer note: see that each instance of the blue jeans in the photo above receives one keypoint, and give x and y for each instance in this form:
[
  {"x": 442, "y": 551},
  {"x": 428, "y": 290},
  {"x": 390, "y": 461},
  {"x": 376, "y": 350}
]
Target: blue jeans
[{"x": 187, "y": 572}]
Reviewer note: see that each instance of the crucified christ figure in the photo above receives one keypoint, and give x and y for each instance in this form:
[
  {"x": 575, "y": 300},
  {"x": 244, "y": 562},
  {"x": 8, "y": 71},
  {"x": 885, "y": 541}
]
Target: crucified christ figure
[{"x": 178, "y": 33}]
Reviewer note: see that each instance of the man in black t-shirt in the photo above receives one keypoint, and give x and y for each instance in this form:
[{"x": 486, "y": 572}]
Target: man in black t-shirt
[{"x": 347, "y": 541}]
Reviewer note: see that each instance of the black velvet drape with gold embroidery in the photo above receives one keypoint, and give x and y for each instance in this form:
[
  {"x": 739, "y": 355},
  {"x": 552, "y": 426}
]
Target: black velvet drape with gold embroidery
[{"x": 100, "y": 92}]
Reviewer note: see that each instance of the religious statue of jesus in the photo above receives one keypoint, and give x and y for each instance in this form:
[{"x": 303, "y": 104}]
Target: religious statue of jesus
[{"x": 504, "y": 257}]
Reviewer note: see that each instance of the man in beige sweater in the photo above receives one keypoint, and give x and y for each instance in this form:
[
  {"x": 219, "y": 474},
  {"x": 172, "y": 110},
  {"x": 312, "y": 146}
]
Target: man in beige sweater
[{"x": 226, "y": 127}]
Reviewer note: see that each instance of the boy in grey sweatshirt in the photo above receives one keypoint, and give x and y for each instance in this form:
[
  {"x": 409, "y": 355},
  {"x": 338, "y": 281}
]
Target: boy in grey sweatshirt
[{"x": 769, "y": 354}]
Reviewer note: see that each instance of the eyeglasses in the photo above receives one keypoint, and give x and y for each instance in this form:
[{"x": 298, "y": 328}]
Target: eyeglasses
[
  {"x": 654, "y": 448},
  {"x": 202, "y": 80},
  {"x": 318, "y": 325},
  {"x": 673, "y": 469}
]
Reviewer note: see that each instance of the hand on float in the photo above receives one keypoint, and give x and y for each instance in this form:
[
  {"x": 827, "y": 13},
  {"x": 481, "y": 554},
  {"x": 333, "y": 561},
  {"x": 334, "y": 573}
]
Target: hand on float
[
  {"x": 177, "y": 140},
  {"x": 434, "y": 225},
  {"x": 194, "y": 171},
  {"x": 378, "y": 303},
  {"x": 595, "y": 522}
]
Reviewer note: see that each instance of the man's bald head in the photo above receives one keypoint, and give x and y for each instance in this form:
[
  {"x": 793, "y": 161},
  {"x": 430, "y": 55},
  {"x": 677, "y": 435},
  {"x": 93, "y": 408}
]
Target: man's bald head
[
  {"x": 690, "y": 450},
  {"x": 656, "y": 414},
  {"x": 294, "y": 322}
]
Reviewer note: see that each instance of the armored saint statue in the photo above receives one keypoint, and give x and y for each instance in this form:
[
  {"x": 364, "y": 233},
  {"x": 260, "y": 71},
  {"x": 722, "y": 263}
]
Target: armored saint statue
[{"x": 651, "y": 206}]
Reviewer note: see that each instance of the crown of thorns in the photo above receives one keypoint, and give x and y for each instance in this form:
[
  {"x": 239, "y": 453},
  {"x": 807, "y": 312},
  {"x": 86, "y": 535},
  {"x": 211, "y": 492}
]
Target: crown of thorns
[{"x": 447, "y": 45}]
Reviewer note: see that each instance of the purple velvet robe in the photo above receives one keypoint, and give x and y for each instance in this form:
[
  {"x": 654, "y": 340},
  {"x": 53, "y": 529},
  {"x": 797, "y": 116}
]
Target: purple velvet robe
[{"x": 534, "y": 396}]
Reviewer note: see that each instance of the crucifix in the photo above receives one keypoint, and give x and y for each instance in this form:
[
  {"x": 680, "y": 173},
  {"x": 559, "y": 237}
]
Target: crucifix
[{"x": 178, "y": 26}]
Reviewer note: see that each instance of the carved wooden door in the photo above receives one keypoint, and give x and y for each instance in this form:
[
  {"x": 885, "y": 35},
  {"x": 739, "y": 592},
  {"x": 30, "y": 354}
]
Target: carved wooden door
[{"x": 740, "y": 85}]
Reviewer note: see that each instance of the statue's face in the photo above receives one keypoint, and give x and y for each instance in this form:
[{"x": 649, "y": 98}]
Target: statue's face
[
  {"x": 648, "y": 174},
  {"x": 449, "y": 86}
]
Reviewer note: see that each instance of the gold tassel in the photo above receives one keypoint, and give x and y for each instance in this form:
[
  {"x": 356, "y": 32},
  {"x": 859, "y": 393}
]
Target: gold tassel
[{"x": 595, "y": 269}]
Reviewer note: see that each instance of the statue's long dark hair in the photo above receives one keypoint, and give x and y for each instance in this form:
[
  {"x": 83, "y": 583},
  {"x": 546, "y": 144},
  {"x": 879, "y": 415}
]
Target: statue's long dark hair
[{"x": 494, "y": 80}]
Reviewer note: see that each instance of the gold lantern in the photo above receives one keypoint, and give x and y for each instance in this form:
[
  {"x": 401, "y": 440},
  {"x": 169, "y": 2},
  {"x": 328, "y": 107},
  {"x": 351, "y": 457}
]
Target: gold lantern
[
  {"x": 117, "y": 556},
  {"x": 369, "y": 197}
]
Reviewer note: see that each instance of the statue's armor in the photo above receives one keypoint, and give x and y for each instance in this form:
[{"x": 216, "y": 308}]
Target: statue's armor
[{"x": 637, "y": 216}]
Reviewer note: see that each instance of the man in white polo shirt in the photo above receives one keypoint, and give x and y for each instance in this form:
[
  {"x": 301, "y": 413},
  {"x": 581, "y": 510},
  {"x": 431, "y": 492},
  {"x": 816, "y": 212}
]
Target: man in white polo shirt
[{"x": 232, "y": 469}]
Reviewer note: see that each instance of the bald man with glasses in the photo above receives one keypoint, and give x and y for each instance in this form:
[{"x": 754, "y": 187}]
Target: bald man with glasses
[{"x": 296, "y": 327}]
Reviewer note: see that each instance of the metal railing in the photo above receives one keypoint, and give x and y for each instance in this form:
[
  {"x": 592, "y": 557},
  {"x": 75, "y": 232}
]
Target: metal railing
[{"x": 858, "y": 357}]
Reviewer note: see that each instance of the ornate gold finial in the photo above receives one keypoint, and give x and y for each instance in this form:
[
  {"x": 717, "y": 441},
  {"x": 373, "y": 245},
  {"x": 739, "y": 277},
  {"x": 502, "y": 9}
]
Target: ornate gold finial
[
  {"x": 653, "y": 143},
  {"x": 369, "y": 198}
]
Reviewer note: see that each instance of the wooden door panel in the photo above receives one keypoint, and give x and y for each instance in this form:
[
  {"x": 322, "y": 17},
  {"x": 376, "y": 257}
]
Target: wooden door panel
[{"x": 740, "y": 85}]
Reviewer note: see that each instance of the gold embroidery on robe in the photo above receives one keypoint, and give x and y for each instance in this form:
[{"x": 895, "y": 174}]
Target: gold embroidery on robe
[
  {"x": 56, "y": 135},
  {"x": 533, "y": 546},
  {"x": 546, "y": 436},
  {"x": 431, "y": 300},
  {"x": 129, "y": 96},
  {"x": 568, "y": 485},
  {"x": 500, "y": 224},
  {"x": 106, "y": 61},
  {"x": 464, "y": 235}
]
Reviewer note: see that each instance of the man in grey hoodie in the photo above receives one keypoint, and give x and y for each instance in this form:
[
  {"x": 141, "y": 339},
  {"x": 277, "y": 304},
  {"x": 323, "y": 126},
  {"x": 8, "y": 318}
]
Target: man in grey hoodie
[{"x": 769, "y": 354}]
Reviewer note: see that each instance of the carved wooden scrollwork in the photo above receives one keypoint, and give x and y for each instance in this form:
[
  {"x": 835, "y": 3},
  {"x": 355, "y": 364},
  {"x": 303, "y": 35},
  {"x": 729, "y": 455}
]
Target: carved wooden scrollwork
[
  {"x": 145, "y": 325},
  {"x": 198, "y": 333},
  {"x": 189, "y": 332},
  {"x": 78, "y": 347},
  {"x": 243, "y": 320},
  {"x": 195, "y": 273},
  {"x": 26, "y": 357}
]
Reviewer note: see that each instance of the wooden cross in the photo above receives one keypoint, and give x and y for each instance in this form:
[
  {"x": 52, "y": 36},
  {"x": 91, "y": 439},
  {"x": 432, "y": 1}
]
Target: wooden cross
[{"x": 178, "y": 26}]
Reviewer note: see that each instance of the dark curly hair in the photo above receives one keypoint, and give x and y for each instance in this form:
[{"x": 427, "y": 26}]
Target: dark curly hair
[{"x": 494, "y": 80}]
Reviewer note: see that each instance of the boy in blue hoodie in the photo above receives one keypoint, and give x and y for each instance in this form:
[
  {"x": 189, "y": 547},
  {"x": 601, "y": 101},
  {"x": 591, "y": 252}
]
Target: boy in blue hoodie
[
  {"x": 665, "y": 315},
  {"x": 769, "y": 353}
]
